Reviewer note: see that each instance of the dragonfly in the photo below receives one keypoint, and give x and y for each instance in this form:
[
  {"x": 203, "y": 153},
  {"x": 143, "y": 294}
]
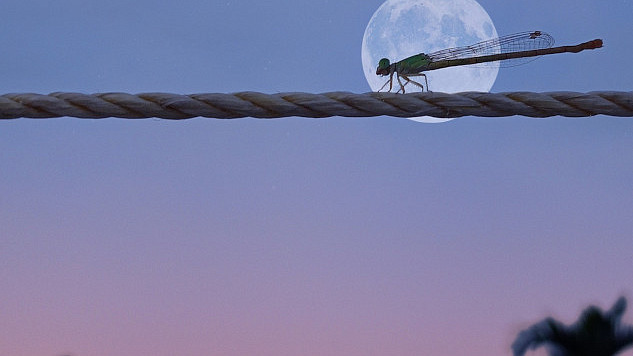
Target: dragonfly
[{"x": 505, "y": 48}]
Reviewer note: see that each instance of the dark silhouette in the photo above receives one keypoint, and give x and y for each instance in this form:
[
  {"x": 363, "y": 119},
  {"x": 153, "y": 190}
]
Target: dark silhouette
[{"x": 596, "y": 333}]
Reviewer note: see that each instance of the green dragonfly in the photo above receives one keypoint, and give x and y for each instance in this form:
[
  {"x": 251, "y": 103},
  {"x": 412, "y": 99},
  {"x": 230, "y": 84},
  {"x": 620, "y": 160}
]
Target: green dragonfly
[{"x": 505, "y": 48}]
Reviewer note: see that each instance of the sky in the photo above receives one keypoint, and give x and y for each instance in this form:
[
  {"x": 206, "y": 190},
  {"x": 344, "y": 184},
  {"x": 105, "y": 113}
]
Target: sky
[{"x": 337, "y": 236}]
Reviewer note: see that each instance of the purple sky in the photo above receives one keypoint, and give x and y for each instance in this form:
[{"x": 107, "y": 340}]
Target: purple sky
[{"x": 368, "y": 236}]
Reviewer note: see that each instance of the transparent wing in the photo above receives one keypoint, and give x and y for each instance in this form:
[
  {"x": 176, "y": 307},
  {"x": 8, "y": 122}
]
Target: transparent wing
[{"x": 517, "y": 42}]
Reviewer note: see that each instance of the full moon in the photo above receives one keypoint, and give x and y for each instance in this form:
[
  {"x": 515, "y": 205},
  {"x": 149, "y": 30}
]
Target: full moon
[{"x": 402, "y": 28}]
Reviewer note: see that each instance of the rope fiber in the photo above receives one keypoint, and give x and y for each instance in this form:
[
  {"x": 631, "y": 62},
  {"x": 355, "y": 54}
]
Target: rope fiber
[{"x": 259, "y": 105}]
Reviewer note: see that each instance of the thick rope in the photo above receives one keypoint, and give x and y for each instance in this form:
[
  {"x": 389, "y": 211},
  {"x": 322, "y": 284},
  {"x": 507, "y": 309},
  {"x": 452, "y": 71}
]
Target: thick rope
[{"x": 259, "y": 105}]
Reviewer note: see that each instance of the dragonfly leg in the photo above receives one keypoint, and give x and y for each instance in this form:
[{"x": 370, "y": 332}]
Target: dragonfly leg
[
  {"x": 416, "y": 83},
  {"x": 390, "y": 81},
  {"x": 402, "y": 85},
  {"x": 408, "y": 80},
  {"x": 384, "y": 85},
  {"x": 425, "y": 81}
]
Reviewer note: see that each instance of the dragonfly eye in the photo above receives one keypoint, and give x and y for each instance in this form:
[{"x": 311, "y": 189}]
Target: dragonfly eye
[{"x": 383, "y": 67}]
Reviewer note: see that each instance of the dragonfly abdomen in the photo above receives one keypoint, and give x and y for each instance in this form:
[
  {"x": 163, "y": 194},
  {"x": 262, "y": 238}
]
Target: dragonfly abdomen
[{"x": 597, "y": 43}]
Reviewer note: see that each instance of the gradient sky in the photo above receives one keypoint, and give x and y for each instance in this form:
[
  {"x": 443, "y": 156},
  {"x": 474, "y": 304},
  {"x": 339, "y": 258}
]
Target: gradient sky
[{"x": 339, "y": 236}]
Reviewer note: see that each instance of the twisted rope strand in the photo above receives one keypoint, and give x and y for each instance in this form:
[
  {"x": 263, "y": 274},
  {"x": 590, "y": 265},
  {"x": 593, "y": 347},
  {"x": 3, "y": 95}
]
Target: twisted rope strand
[{"x": 259, "y": 105}]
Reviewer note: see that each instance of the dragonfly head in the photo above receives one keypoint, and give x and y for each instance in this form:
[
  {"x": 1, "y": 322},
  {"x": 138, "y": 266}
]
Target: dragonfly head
[{"x": 383, "y": 67}]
